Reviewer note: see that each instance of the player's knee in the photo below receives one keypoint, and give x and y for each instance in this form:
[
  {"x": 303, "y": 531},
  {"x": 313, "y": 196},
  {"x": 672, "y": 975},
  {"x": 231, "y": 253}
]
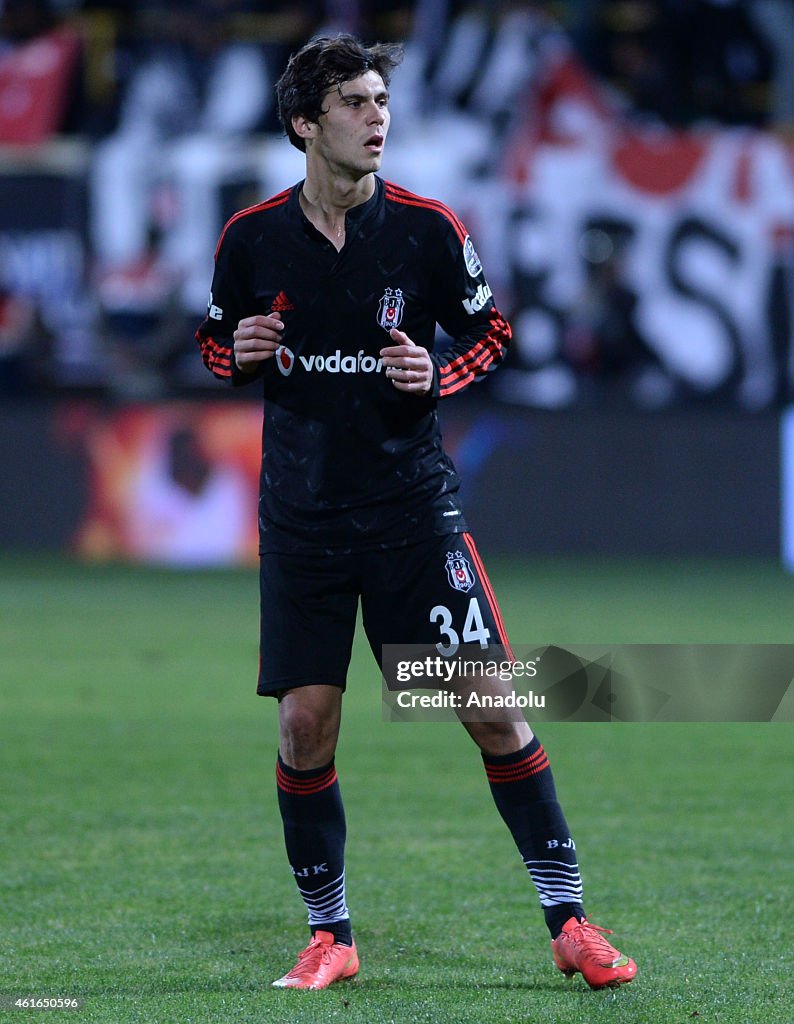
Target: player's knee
[
  {"x": 308, "y": 737},
  {"x": 499, "y": 738}
]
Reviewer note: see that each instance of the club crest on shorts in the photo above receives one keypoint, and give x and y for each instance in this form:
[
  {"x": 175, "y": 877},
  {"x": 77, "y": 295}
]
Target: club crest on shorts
[
  {"x": 390, "y": 308},
  {"x": 459, "y": 572}
]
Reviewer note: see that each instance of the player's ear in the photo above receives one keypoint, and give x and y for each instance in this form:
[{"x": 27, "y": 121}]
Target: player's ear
[{"x": 304, "y": 128}]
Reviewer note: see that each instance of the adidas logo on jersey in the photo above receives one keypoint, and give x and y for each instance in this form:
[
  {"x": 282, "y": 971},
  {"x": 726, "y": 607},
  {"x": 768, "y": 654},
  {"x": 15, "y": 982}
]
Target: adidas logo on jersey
[
  {"x": 281, "y": 303},
  {"x": 333, "y": 363}
]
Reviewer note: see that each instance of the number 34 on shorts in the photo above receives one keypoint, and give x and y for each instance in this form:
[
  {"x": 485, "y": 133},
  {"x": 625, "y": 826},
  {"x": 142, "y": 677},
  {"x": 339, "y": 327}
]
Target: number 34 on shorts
[
  {"x": 469, "y": 614},
  {"x": 473, "y": 631}
]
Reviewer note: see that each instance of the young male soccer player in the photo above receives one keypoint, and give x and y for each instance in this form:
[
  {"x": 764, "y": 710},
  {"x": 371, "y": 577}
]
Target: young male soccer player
[{"x": 329, "y": 293}]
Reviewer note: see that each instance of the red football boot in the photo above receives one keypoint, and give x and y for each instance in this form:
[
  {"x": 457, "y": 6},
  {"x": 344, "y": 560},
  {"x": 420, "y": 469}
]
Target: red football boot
[
  {"x": 581, "y": 946},
  {"x": 321, "y": 963}
]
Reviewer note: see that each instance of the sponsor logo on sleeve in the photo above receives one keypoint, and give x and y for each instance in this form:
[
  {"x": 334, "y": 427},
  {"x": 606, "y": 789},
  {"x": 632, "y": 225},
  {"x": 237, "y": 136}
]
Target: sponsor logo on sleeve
[
  {"x": 215, "y": 312},
  {"x": 478, "y": 300}
]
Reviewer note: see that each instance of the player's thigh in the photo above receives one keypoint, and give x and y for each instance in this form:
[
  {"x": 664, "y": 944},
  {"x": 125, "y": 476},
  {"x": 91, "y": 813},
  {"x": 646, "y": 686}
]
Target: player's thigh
[
  {"x": 307, "y": 620},
  {"x": 436, "y": 592}
]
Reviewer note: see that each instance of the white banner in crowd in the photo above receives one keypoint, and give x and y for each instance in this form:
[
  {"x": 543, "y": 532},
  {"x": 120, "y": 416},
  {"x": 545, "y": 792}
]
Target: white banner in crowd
[{"x": 686, "y": 236}]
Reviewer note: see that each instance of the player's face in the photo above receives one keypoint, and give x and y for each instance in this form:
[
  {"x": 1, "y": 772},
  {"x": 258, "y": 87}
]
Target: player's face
[{"x": 353, "y": 126}]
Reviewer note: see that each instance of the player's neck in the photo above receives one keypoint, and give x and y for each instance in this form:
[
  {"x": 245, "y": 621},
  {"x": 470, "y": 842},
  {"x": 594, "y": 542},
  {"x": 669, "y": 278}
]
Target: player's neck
[{"x": 326, "y": 199}]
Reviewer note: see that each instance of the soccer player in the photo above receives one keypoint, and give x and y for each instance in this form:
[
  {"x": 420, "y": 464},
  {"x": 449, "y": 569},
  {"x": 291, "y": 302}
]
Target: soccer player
[{"x": 329, "y": 294}]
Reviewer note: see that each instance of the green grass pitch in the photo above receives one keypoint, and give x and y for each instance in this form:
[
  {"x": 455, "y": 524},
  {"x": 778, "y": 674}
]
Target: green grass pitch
[{"x": 141, "y": 864}]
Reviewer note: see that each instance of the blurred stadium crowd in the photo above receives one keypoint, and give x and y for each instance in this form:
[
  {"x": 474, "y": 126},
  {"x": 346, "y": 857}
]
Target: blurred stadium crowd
[{"x": 129, "y": 132}]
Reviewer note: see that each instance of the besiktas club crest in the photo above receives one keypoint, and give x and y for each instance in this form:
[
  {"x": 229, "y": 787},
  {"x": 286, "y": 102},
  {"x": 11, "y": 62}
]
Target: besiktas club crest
[
  {"x": 459, "y": 572},
  {"x": 390, "y": 308}
]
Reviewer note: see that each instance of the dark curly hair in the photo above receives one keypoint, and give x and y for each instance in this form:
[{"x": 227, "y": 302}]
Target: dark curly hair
[{"x": 319, "y": 66}]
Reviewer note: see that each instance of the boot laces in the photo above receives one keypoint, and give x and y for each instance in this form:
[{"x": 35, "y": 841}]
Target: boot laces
[
  {"x": 590, "y": 937},
  {"x": 316, "y": 953}
]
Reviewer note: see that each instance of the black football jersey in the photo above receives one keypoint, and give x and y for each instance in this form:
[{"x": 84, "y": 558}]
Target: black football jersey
[{"x": 348, "y": 461}]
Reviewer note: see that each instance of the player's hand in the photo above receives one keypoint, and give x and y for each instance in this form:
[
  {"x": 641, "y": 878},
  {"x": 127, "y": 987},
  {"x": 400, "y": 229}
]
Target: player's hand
[
  {"x": 407, "y": 365},
  {"x": 256, "y": 339}
]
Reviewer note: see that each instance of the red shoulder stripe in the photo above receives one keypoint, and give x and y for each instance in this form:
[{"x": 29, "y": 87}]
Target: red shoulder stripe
[
  {"x": 409, "y": 199},
  {"x": 268, "y": 204},
  {"x": 398, "y": 190}
]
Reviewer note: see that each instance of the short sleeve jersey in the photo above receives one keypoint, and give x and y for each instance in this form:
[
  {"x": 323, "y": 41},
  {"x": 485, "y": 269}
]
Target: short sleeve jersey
[{"x": 348, "y": 461}]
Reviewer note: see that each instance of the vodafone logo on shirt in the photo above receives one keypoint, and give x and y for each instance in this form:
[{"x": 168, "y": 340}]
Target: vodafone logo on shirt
[
  {"x": 333, "y": 363},
  {"x": 285, "y": 360}
]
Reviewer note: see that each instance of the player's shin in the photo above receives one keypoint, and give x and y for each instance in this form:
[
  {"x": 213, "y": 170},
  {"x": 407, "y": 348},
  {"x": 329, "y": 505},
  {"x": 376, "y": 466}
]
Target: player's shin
[
  {"x": 314, "y": 833},
  {"x": 523, "y": 790}
]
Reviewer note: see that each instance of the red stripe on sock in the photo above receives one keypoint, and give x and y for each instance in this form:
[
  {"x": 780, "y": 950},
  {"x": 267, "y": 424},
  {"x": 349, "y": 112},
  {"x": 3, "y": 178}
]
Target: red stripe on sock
[
  {"x": 530, "y": 759},
  {"x": 519, "y": 770},
  {"x": 304, "y": 787}
]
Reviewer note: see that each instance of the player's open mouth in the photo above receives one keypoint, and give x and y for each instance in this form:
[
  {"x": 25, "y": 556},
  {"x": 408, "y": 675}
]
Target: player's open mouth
[{"x": 375, "y": 143}]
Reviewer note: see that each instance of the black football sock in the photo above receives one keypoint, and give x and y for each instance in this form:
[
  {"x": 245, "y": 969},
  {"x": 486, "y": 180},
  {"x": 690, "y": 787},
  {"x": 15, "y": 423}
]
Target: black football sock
[
  {"x": 523, "y": 789},
  {"x": 314, "y": 833}
]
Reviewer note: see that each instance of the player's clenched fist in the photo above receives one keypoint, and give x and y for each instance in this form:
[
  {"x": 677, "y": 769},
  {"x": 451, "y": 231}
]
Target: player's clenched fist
[
  {"x": 256, "y": 339},
  {"x": 407, "y": 365}
]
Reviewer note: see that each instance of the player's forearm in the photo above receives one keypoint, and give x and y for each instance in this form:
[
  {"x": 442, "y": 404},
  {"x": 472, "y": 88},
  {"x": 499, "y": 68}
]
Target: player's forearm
[
  {"x": 471, "y": 357},
  {"x": 216, "y": 354}
]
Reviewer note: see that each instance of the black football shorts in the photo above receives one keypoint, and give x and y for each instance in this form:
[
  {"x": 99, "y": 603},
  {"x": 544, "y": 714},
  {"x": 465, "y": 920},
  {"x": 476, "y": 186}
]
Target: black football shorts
[{"x": 426, "y": 593}]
